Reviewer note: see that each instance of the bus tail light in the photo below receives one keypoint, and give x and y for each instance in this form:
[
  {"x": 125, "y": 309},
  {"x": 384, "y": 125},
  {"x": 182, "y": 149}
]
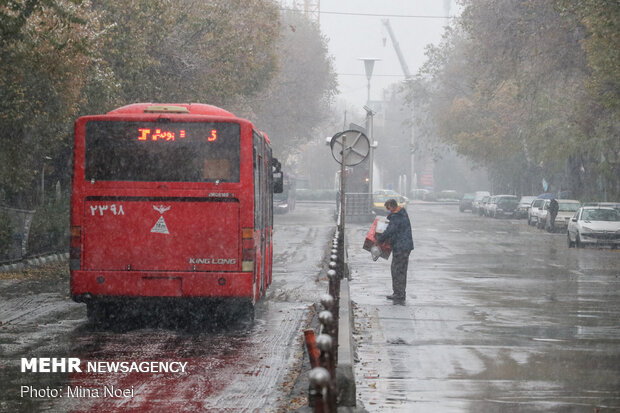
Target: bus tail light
[
  {"x": 75, "y": 248},
  {"x": 248, "y": 254}
]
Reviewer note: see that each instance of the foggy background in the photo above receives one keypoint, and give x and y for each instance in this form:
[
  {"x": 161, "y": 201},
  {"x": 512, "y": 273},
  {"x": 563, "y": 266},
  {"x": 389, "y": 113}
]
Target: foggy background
[
  {"x": 360, "y": 33},
  {"x": 355, "y": 30}
]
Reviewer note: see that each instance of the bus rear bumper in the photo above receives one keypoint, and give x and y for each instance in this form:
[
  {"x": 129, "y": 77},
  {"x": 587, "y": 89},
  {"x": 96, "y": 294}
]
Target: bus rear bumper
[{"x": 88, "y": 285}]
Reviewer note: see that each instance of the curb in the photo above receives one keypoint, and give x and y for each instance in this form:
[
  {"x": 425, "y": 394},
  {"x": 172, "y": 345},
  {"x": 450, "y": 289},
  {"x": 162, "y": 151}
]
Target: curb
[
  {"x": 34, "y": 262},
  {"x": 344, "y": 371}
]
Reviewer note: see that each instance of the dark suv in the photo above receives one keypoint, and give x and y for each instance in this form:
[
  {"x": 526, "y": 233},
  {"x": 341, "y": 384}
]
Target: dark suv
[
  {"x": 506, "y": 206},
  {"x": 466, "y": 202}
]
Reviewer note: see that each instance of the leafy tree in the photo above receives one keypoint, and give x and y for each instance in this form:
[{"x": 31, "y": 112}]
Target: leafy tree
[
  {"x": 299, "y": 96},
  {"x": 208, "y": 51},
  {"x": 597, "y": 115},
  {"x": 511, "y": 88},
  {"x": 44, "y": 51},
  {"x": 63, "y": 58},
  {"x": 6, "y": 234}
]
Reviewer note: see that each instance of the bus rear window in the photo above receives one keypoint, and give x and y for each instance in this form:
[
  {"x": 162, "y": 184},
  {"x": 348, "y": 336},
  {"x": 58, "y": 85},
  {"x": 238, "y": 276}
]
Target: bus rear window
[{"x": 156, "y": 151}]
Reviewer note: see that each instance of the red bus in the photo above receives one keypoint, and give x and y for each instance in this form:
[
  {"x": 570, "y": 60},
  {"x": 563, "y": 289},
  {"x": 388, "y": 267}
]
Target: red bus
[{"x": 171, "y": 202}]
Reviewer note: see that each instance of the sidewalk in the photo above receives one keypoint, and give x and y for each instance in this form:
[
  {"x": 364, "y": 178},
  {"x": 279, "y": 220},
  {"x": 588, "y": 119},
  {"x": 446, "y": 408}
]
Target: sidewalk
[
  {"x": 417, "y": 357},
  {"x": 380, "y": 371},
  {"x": 499, "y": 317},
  {"x": 34, "y": 262}
]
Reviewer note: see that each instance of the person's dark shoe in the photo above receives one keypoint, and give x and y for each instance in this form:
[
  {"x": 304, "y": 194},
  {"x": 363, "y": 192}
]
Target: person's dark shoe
[
  {"x": 398, "y": 301},
  {"x": 390, "y": 297}
]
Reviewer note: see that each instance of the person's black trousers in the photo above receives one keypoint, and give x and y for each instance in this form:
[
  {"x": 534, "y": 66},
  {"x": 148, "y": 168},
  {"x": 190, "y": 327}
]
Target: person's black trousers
[{"x": 400, "y": 262}]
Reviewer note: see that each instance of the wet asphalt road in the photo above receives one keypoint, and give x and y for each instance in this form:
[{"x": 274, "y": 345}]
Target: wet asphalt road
[
  {"x": 500, "y": 317},
  {"x": 231, "y": 367}
]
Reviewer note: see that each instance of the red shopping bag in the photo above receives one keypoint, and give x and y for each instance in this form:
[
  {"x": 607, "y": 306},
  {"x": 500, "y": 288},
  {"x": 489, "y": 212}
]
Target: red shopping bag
[{"x": 377, "y": 249}]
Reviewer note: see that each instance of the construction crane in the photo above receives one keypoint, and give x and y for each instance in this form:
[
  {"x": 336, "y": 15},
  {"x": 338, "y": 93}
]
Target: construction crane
[
  {"x": 405, "y": 68},
  {"x": 401, "y": 59}
]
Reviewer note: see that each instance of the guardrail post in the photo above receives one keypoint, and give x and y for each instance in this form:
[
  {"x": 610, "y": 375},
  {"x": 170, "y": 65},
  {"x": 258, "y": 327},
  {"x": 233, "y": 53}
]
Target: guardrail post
[
  {"x": 324, "y": 388},
  {"x": 327, "y": 301},
  {"x": 326, "y": 345},
  {"x": 334, "y": 291},
  {"x": 319, "y": 381}
]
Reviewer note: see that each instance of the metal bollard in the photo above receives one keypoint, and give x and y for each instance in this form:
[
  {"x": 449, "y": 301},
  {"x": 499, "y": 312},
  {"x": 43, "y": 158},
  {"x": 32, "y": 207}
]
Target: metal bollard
[
  {"x": 319, "y": 384},
  {"x": 328, "y": 302},
  {"x": 326, "y": 347},
  {"x": 334, "y": 291},
  {"x": 333, "y": 281},
  {"x": 325, "y": 344},
  {"x": 327, "y": 321}
]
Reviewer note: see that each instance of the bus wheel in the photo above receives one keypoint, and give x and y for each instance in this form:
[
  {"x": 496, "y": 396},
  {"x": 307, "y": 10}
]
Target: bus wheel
[
  {"x": 246, "y": 311},
  {"x": 243, "y": 311},
  {"x": 97, "y": 313}
]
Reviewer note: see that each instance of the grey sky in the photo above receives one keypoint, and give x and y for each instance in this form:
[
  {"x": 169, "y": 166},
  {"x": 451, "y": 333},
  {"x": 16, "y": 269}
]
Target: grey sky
[{"x": 353, "y": 36}]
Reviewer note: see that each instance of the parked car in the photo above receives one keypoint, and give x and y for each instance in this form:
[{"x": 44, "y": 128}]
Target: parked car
[
  {"x": 482, "y": 205},
  {"x": 566, "y": 210},
  {"x": 614, "y": 205},
  {"x": 476, "y": 202},
  {"x": 524, "y": 206},
  {"x": 532, "y": 213},
  {"x": 505, "y": 206},
  {"x": 594, "y": 226},
  {"x": 379, "y": 199},
  {"x": 449, "y": 195},
  {"x": 466, "y": 202},
  {"x": 542, "y": 214},
  {"x": 419, "y": 193},
  {"x": 387, "y": 192},
  {"x": 489, "y": 207}
]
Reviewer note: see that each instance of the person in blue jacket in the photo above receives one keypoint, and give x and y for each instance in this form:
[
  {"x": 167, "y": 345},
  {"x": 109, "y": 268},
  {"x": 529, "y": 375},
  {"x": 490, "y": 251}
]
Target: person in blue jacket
[{"x": 398, "y": 235}]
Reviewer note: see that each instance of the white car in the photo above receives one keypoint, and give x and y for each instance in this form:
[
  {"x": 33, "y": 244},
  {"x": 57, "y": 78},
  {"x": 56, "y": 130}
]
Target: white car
[
  {"x": 532, "y": 213},
  {"x": 524, "y": 206},
  {"x": 541, "y": 216},
  {"x": 566, "y": 210},
  {"x": 594, "y": 226},
  {"x": 477, "y": 202},
  {"x": 489, "y": 207}
]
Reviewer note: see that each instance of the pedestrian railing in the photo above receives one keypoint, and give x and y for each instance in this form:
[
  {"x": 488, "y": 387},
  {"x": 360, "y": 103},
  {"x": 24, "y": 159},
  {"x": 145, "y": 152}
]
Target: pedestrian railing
[
  {"x": 323, "y": 350},
  {"x": 357, "y": 204}
]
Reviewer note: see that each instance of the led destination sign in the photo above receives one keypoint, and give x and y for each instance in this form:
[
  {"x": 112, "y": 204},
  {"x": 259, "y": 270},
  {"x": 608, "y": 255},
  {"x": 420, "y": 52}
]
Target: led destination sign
[
  {"x": 158, "y": 134},
  {"x": 162, "y": 151}
]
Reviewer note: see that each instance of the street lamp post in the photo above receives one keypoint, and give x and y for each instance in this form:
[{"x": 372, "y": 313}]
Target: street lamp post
[
  {"x": 369, "y": 128},
  {"x": 369, "y": 64}
]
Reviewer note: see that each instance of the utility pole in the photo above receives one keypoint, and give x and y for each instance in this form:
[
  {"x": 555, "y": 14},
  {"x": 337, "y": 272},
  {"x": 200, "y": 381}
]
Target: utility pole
[
  {"x": 369, "y": 64},
  {"x": 369, "y": 128}
]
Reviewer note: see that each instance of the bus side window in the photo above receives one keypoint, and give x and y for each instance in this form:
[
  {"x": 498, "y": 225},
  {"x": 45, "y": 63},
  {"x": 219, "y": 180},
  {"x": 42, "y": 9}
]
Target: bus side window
[
  {"x": 278, "y": 176},
  {"x": 278, "y": 182}
]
